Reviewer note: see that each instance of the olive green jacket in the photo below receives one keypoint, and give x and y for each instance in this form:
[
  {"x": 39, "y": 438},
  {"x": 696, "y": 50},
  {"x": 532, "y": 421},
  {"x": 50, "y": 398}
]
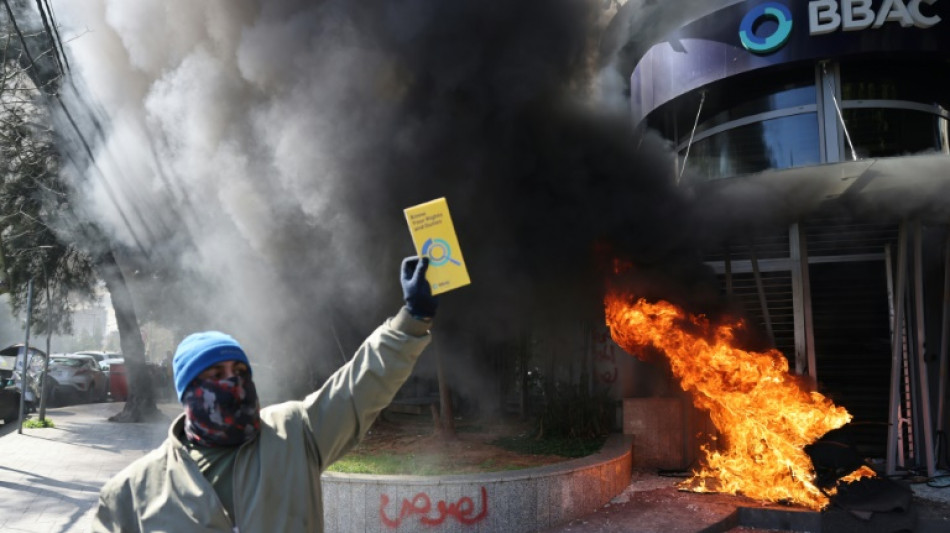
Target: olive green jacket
[{"x": 276, "y": 475}]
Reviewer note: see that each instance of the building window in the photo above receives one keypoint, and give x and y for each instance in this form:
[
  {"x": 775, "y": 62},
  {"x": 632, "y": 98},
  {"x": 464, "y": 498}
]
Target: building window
[
  {"x": 748, "y": 123},
  {"x": 881, "y": 132},
  {"x": 768, "y": 120},
  {"x": 884, "y": 78},
  {"x": 784, "y": 142},
  {"x": 785, "y": 96},
  {"x": 895, "y": 108}
]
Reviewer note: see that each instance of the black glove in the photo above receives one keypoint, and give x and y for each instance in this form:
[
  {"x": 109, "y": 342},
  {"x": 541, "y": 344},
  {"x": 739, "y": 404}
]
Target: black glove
[{"x": 415, "y": 288}]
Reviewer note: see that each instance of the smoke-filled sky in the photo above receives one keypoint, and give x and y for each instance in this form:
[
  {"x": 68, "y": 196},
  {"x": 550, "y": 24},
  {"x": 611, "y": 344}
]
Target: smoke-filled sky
[{"x": 261, "y": 154}]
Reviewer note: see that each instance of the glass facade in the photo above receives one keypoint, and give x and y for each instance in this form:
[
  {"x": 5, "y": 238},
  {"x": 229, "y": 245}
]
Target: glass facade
[
  {"x": 784, "y": 96},
  {"x": 770, "y": 120},
  {"x": 893, "y": 108},
  {"x": 777, "y": 143},
  {"x": 923, "y": 81},
  {"x": 881, "y": 132}
]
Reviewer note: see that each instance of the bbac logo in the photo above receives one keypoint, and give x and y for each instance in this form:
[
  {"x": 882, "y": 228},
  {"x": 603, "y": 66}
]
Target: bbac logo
[{"x": 779, "y": 14}]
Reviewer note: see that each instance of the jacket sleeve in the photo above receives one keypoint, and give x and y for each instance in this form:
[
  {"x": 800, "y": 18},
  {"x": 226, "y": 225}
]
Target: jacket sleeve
[{"x": 343, "y": 409}]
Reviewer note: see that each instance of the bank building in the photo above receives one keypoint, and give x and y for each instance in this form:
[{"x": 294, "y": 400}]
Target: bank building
[{"x": 819, "y": 132}]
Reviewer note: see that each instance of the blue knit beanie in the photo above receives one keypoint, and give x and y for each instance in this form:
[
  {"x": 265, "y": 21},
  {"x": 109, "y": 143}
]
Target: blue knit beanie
[{"x": 201, "y": 350}]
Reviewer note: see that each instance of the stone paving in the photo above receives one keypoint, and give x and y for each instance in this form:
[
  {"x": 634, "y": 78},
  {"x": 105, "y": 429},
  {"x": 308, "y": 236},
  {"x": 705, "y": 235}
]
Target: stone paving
[{"x": 50, "y": 477}]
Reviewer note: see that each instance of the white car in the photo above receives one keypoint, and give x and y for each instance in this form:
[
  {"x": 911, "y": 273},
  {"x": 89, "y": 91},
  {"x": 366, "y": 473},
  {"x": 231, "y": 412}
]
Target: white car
[
  {"x": 98, "y": 356},
  {"x": 77, "y": 375},
  {"x": 11, "y": 366}
]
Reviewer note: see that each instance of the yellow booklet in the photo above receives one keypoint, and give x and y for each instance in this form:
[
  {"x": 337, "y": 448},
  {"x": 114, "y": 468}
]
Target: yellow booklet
[{"x": 434, "y": 236}]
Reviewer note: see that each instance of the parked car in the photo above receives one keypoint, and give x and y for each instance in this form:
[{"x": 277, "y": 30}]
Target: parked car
[
  {"x": 79, "y": 376},
  {"x": 11, "y": 365},
  {"x": 9, "y": 404},
  {"x": 100, "y": 356},
  {"x": 9, "y": 395}
]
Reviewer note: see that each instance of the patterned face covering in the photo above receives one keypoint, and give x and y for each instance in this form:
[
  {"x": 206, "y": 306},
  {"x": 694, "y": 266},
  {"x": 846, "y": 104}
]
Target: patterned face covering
[{"x": 221, "y": 412}]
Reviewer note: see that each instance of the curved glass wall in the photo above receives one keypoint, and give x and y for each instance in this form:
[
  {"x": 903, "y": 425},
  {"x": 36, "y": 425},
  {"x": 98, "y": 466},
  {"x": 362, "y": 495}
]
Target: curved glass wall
[
  {"x": 923, "y": 81},
  {"x": 877, "y": 132},
  {"x": 786, "y": 96},
  {"x": 747, "y": 124},
  {"x": 734, "y": 99},
  {"x": 770, "y": 120},
  {"x": 784, "y": 142},
  {"x": 896, "y": 108}
]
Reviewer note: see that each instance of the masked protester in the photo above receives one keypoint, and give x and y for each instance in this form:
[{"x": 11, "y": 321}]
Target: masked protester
[{"x": 230, "y": 466}]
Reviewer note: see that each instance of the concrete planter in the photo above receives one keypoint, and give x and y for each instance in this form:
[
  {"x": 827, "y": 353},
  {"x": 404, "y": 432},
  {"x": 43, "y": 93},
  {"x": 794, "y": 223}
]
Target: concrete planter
[{"x": 525, "y": 500}]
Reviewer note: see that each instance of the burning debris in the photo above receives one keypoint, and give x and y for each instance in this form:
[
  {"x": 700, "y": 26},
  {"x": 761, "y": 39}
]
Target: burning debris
[{"x": 765, "y": 416}]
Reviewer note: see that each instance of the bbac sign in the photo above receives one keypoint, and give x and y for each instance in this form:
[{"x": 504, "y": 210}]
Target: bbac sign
[{"x": 827, "y": 16}]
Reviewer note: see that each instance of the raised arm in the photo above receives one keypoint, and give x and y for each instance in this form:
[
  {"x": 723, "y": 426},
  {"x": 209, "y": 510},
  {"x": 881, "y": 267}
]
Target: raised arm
[{"x": 343, "y": 409}]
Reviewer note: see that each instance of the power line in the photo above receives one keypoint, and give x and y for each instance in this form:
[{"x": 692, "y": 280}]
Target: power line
[
  {"x": 100, "y": 136},
  {"x": 54, "y": 38},
  {"x": 85, "y": 144},
  {"x": 51, "y": 29},
  {"x": 57, "y": 39}
]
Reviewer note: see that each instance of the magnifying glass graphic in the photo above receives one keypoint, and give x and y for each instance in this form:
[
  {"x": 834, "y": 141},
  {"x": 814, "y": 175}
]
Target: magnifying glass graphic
[{"x": 439, "y": 252}]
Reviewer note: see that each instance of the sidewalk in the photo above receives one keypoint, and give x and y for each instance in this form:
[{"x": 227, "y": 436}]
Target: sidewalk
[{"x": 50, "y": 478}]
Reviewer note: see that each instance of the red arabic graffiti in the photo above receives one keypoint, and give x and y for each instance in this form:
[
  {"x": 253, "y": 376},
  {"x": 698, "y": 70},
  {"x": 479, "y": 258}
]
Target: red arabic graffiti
[{"x": 421, "y": 505}]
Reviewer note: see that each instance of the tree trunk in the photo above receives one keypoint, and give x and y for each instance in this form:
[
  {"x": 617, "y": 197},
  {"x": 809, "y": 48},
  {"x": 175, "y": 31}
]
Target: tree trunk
[{"x": 140, "y": 405}]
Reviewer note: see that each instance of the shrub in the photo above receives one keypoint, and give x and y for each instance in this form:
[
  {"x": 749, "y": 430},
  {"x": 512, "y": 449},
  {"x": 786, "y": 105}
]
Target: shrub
[
  {"x": 572, "y": 411},
  {"x": 36, "y": 423}
]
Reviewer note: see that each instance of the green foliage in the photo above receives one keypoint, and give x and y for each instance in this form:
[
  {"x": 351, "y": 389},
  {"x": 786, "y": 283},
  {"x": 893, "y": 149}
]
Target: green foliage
[
  {"x": 34, "y": 207},
  {"x": 383, "y": 464},
  {"x": 35, "y": 423},
  {"x": 43, "y": 239},
  {"x": 573, "y": 423},
  {"x": 438, "y": 464}
]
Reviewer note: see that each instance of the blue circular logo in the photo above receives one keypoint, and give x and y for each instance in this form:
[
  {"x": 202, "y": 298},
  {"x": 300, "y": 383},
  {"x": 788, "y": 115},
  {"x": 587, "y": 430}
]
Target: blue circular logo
[
  {"x": 774, "y": 11},
  {"x": 439, "y": 252}
]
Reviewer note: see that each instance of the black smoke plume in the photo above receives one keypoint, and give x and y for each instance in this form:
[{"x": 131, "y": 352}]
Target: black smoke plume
[{"x": 263, "y": 153}]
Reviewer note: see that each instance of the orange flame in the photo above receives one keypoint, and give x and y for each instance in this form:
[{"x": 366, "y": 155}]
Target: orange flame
[
  {"x": 765, "y": 416},
  {"x": 857, "y": 475}
]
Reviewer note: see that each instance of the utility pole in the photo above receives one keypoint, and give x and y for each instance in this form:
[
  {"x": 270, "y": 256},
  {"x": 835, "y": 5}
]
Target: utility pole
[
  {"x": 49, "y": 335},
  {"x": 26, "y": 354}
]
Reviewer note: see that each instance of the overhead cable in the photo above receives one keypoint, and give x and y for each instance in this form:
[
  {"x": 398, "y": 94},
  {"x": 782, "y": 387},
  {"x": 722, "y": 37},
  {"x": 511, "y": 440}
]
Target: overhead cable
[
  {"x": 58, "y": 54},
  {"x": 87, "y": 148}
]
